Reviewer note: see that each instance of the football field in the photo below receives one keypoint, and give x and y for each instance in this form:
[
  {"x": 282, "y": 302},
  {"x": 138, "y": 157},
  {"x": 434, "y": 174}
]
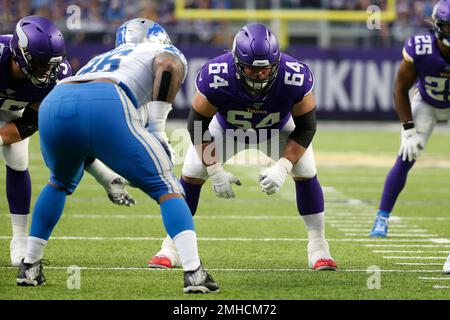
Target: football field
[{"x": 255, "y": 245}]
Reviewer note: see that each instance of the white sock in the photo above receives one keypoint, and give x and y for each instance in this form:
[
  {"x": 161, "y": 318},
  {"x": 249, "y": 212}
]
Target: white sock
[
  {"x": 315, "y": 226},
  {"x": 19, "y": 225},
  {"x": 101, "y": 172},
  {"x": 168, "y": 244},
  {"x": 35, "y": 249},
  {"x": 186, "y": 243}
]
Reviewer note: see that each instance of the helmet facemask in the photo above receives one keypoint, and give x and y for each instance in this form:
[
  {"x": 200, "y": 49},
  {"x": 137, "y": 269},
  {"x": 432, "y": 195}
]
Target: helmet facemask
[
  {"x": 253, "y": 85},
  {"x": 442, "y": 30},
  {"x": 41, "y": 74}
]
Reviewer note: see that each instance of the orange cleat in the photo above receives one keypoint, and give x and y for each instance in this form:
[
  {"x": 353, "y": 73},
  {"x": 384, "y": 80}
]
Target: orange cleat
[
  {"x": 324, "y": 265},
  {"x": 160, "y": 262}
]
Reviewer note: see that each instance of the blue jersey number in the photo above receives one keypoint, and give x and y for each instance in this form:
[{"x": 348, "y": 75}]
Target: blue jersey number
[{"x": 104, "y": 63}]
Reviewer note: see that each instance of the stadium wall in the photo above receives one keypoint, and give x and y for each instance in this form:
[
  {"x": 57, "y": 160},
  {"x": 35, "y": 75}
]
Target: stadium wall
[{"x": 350, "y": 84}]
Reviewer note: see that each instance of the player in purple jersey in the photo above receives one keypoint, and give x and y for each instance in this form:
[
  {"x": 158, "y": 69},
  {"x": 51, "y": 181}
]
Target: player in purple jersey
[
  {"x": 261, "y": 98},
  {"x": 32, "y": 60},
  {"x": 426, "y": 66}
]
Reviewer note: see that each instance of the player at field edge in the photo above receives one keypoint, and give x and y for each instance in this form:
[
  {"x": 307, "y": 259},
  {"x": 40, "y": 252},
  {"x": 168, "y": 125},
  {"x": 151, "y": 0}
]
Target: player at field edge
[
  {"x": 421, "y": 96},
  {"x": 32, "y": 61},
  {"x": 255, "y": 88},
  {"x": 94, "y": 113}
]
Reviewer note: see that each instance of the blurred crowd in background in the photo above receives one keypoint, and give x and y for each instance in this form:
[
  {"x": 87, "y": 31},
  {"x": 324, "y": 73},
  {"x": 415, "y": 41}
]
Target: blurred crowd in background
[{"x": 100, "y": 18}]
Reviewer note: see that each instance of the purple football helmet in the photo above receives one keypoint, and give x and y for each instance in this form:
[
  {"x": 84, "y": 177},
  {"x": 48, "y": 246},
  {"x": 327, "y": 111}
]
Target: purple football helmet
[
  {"x": 441, "y": 21},
  {"x": 255, "y": 46},
  {"x": 38, "y": 48}
]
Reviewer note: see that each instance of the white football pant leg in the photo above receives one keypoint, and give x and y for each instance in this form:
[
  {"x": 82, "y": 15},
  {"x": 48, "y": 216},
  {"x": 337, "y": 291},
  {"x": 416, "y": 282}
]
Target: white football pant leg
[
  {"x": 193, "y": 167},
  {"x": 306, "y": 166}
]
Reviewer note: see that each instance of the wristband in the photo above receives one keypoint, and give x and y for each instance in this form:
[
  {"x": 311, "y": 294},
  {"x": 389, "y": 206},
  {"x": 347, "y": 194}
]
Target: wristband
[{"x": 408, "y": 125}]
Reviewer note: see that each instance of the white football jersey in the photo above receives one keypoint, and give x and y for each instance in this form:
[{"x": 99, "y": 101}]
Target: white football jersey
[{"x": 130, "y": 66}]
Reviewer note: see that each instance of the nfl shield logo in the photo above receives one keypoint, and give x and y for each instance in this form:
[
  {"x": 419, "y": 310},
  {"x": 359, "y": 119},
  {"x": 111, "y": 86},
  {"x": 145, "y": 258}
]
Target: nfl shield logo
[{"x": 257, "y": 105}]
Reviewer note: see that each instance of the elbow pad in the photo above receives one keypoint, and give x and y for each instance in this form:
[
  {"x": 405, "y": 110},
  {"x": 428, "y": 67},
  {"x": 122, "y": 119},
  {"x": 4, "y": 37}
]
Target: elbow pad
[
  {"x": 198, "y": 127},
  {"x": 28, "y": 123},
  {"x": 305, "y": 128}
]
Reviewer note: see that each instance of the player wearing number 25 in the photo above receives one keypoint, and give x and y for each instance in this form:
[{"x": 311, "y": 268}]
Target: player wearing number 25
[
  {"x": 426, "y": 65},
  {"x": 255, "y": 88}
]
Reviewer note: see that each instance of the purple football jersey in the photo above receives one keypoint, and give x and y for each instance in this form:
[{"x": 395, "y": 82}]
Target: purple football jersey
[
  {"x": 16, "y": 96},
  {"x": 237, "y": 108},
  {"x": 434, "y": 71}
]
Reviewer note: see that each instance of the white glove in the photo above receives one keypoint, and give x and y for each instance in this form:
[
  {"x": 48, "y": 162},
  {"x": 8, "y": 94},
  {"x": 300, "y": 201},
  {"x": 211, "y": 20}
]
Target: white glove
[
  {"x": 162, "y": 138},
  {"x": 221, "y": 181},
  {"x": 411, "y": 144},
  {"x": 272, "y": 178}
]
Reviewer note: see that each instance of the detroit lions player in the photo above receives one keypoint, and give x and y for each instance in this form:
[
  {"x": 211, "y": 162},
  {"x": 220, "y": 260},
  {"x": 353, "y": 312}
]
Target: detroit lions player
[
  {"x": 153, "y": 113},
  {"x": 94, "y": 114},
  {"x": 32, "y": 60},
  {"x": 255, "y": 87},
  {"x": 426, "y": 65}
]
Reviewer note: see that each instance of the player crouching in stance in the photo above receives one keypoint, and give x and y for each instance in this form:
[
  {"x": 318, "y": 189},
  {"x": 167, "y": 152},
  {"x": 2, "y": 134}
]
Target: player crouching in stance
[
  {"x": 32, "y": 60},
  {"x": 95, "y": 114},
  {"x": 426, "y": 62},
  {"x": 255, "y": 87}
]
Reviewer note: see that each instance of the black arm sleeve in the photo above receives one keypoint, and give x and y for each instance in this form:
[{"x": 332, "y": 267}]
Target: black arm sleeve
[
  {"x": 28, "y": 123},
  {"x": 198, "y": 127},
  {"x": 305, "y": 128},
  {"x": 88, "y": 161}
]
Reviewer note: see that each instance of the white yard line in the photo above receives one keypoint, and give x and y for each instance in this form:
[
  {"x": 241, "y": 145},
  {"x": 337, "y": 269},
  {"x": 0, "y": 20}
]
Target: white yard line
[
  {"x": 418, "y": 264},
  {"x": 392, "y": 226},
  {"x": 433, "y": 278},
  {"x": 406, "y": 246},
  {"x": 351, "y": 240},
  {"x": 230, "y": 269},
  {"x": 410, "y": 251},
  {"x": 415, "y": 258},
  {"x": 395, "y": 235},
  {"x": 391, "y": 229}
]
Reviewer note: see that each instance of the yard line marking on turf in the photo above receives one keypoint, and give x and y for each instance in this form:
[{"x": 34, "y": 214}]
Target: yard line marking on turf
[
  {"x": 433, "y": 278},
  {"x": 406, "y": 245},
  {"x": 217, "y": 217},
  {"x": 395, "y": 235},
  {"x": 364, "y": 189},
  {"x": 410, "y": 251},
  {"x": 158, "y": 216},
  {"x": 230, "y": 269},
  {"x": 418, "y": 263},
  {"x": 346, "y": 224},
  {"x": 369, "y": 225},
  {"x": 440, "y": 240},
  {"x": 441, "y": 287},
  {"x": 392, "y": 228},
  {"x": 351, "y": 240},
  {"x": 417, "y": 257}
]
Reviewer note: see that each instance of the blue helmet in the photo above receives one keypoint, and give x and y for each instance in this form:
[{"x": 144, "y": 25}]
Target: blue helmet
[
  {"x": 441, "y": 21},
  {"x": 256, "y": 46},
  {"x": 38, "y": 49},
  {"x": 139, "y": 30}
]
